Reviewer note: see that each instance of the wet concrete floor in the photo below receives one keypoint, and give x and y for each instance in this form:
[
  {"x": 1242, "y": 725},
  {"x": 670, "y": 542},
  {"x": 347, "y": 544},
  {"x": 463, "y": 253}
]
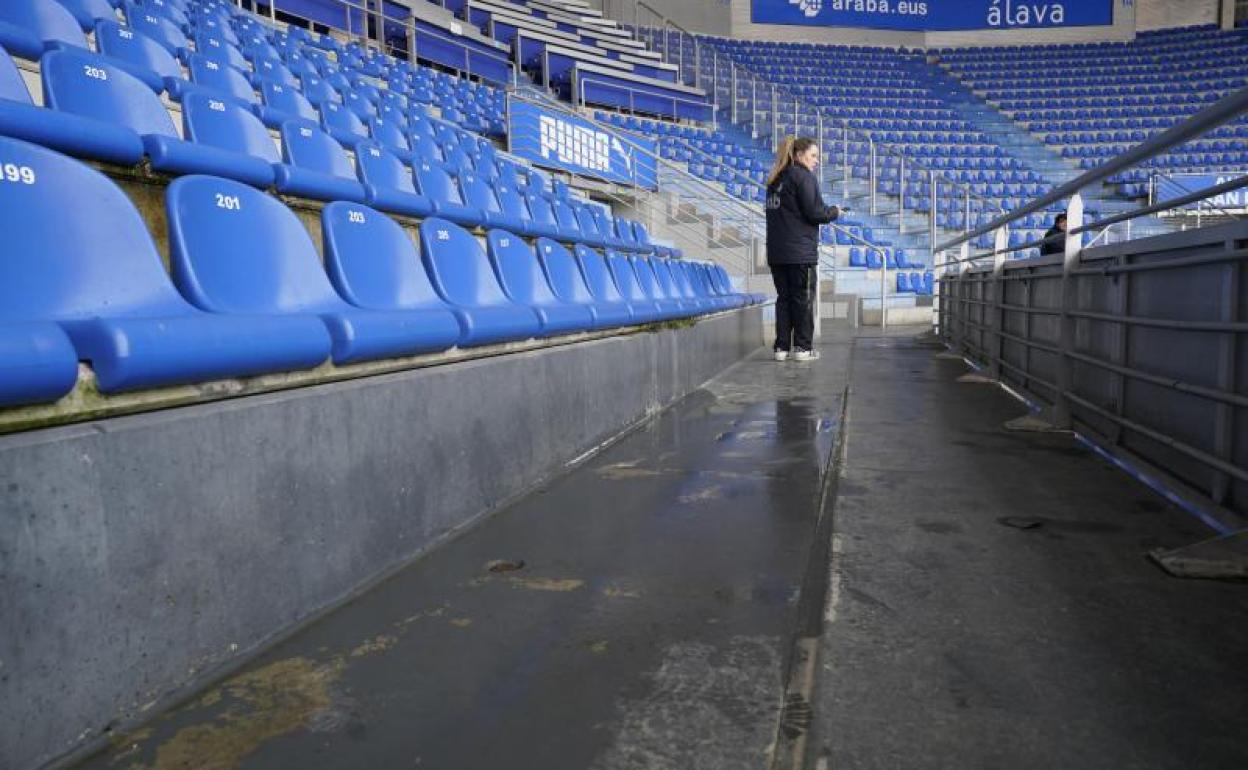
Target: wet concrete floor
[{"x": 634, "y": 613}]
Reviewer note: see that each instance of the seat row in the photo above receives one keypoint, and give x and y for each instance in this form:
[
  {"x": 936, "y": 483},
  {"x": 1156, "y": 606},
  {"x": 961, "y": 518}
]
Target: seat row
[{"x": 248, "y": 294}]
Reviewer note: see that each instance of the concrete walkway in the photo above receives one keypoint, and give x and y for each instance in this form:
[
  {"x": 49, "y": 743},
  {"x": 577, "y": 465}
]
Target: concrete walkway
[
  {"x": 643, "y": 621},
  {"x": 643, "y": 610},
  {"x": 956, "y": 640}
]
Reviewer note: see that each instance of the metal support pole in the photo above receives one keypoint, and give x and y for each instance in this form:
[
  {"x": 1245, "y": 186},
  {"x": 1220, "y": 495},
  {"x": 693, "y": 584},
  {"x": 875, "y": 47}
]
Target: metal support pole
[
  {"x": 874, "y": 173},
  {"x": 883, "y": 293},
  {"x": 901, "y": 198},
  {"x": 966, "y": 225},
  {"x": 273, "y": 11},
  {"x": 822, "y": 166},
  {"x": 1002, "y": 241},
  {"x": 931, "y": 214},
  {"x": 845, "y": 161},
  {"x": 775, "y": 119},
  {"x": 1066, "y": 342}
]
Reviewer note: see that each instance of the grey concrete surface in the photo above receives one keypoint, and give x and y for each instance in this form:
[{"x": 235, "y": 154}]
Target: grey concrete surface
[
  {"x": 647, "y": 628},
  {"x": 139, "y": 555},
  {"x": 955, "y": 640}
]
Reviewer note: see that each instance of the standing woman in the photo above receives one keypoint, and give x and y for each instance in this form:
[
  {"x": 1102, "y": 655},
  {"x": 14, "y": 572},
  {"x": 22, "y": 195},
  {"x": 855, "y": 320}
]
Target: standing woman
[{"x": 795, "y": 210}]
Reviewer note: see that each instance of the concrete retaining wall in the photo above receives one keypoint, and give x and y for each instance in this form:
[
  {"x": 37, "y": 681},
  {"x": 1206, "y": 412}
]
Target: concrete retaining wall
[{"x": 142, "y": 554}]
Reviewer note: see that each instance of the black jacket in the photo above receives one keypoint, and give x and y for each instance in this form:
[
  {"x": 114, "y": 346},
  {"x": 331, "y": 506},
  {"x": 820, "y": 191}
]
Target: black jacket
[
  {"x": 794, "y": 212},
  {"x": 1055, "y": 246}
]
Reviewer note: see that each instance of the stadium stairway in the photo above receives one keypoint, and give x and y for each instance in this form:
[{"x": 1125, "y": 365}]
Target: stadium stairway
[{"x": 1025, "y": 146}]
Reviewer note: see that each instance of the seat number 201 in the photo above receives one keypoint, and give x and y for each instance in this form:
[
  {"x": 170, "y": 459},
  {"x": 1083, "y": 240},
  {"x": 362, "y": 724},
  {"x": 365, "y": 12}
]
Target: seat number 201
[
  {"x": 229, "y": 202},
  {"x": 19, "y": 174}
]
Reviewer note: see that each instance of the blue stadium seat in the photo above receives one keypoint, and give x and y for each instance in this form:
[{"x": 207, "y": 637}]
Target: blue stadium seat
[
  {"x": 88, "y": 12},
  {"x": 374, "y": 264},
  {"x": 701, "y": 284},
  {"x": 601, "y": 281},
  {"x": 156, "y": 27},
  {"x": 27, "y": 27},
  {"x": 461, "y": 273},
  {"x": 670, "y": 287},
  {"x": 693, "y": 287},
  {"x": 225, "y": 139},
  {"x": 388, "y": 183},
  {"x": 440, "y": 188},
  {"x": 143, "y": 57},
  {"x": 569, "y": 223},
  {"x": 645, "y": 308},
  {"x": 37, "y": 362},
  {"x": 235, "y": 249},
  {"x": 98, "y": 276},
  {"x": 316, "y": 166},
  {"x": 343, "y": 124},
  {"x": 283, "y": 102},
  {"x": 568, "y": 284},
  {"x": 523, "y": 280},
  {"x": 903, "y": 283},
  {"x": 64, "y": 131},
  {"x": 652, "y": 289},
  {"x": 215, "y": 76}
]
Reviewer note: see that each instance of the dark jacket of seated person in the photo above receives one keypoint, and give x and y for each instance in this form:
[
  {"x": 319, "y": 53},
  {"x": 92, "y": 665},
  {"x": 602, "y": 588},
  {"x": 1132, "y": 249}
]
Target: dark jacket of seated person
[{"x": 1055, "y": 238}]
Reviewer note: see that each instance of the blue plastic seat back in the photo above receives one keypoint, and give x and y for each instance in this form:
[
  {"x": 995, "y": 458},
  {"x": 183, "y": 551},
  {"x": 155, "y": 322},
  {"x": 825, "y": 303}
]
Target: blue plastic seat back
[
  {"x": 479, "y": 194},
  {"x": 587, "y": 222},
  {"x": 12, "y": 87},
  {"x": 372, "y": 261},
  {"x": 436, "y": 184},
  {"x": 138, "y": 50},
  {"x": 663, "y": 274},
  {"x": 99, "y": 261},
  {"x": 597, "y": 275},
  {"x": 389, "y": 133},
  {"x": 234, "y": 249},
  {"x": 562, "y": 272},
  {"x": 27, "y": 26},
  {"x": 381, "y": 169},
  {"x": 286, "y": 98},
  {"x": 213, "y": 47},
  {"x": 156, "y": 27},
  {"x": 88, "y": 12},
  {"x": 641, "y": 235},
  {"x": 457, "y": 265},
  {"x": 226, "y": 125},
  {"x": 173, "y": 11},
  {"x": 625, "y": 275},
  {"x": 305, "y": 145},
  {"x": 518, "y": 269},
  {"x": 565, "y": 216},
  {"x": 338, "y": 119},
  {"x": 273, "y": 70},
  {"x": 426, "y": 148},
  {"x": 317, "y": 91},
  {"x": 220, "y": 77},
  {"x": 512, "y": 203},
  {"x": 644, "y": 273},
  {"x": 92, "y": 86}
]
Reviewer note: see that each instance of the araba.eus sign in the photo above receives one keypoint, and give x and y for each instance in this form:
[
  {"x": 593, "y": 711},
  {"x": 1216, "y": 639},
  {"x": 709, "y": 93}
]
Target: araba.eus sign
[{"x": 935, "y": 15}]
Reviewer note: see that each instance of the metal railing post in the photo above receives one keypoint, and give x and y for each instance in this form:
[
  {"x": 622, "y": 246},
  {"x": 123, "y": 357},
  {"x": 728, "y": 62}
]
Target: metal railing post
[
  {"x": 1002, "y": 241},
  {"x": 819, "y": 130},
  {"x": 845, "y": 162},
  {"x": 883, "y": 290},
  {"x": 931, "y": 214},
  {"x": 901, "y": 197},
  {"x": 874, "y": 175},
  {"x": 966, "y": 224},
  {"x": 774, "y": 112},
  {"x": 1066, "y": 342}
]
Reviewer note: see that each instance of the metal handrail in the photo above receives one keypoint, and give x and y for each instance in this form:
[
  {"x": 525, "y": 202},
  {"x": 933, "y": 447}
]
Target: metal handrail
[
  {"x": 1214, "y": 208},
  {"x": 1222, "y": 111}
]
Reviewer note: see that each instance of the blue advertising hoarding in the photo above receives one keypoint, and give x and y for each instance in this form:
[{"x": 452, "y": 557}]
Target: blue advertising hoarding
[
  {"x": 935, "y": 15},
  {"x": 573, "y": 144},
  {"x": 1178, "y": 185}
]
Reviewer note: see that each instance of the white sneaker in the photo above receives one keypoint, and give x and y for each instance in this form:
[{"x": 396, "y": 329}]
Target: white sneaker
[
  {"x": 806, "y": 355},
  {"x": 782, "y": 355}
]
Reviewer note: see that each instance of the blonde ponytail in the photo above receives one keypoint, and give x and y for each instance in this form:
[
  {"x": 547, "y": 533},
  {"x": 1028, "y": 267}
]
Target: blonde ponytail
[
  {"x": 786, "y": 154},
  {"x": 784, "y": 157}
]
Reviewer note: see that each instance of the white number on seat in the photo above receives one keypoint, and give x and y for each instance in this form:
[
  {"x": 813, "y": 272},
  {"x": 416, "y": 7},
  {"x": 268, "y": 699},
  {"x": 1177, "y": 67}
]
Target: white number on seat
[
  {"x": 212, "y": 65},
  {"x": 376, "y": 153},
  {"x": 94, "y": 72},
  {"x": 444, "y": 235},
  {"x": 305, "y": 132},
  {"x": 229, "y": 202},
  {"x": 19, "y": 174},
  {"x": 125, "y": 34},
  {"x": 504, "y": 242},
  {"x": 356, "y": 217},
  {"x": 279, "y": 90},
  {"x": 216, "y": 106}
]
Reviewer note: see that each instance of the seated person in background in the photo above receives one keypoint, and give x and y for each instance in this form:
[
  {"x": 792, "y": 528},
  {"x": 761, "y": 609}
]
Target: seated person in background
[{"x": 1055, "y": 238}]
